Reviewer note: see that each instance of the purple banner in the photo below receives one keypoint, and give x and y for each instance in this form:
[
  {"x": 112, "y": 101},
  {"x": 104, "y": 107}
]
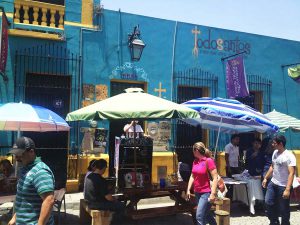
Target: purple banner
[
  {"x": 236, "y": 80},
  {"x": 4, "y": 43}
]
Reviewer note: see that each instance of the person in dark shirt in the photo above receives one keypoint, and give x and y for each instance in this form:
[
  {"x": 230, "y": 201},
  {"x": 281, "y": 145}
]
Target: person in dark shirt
[
  {"x": 97, "y": 194},
  {"x": 185, "y": 171},
  {"x": 267, "y": 150},
  {"x": 255, "y": 158}
]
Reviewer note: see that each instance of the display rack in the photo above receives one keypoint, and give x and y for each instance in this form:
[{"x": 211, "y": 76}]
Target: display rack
[{"x": 135, "y": 161}]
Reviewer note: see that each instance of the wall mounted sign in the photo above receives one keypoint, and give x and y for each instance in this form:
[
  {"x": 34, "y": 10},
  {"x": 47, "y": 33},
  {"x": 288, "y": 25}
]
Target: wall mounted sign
[
  {"x": 88, "y": 92},
  {"x": 129, "y": 71},
  {"x": 160, "y": 132},
  {"x": 58, "y": 103},
  {"x": 128, "y": 76},
  {"x": 101, "y": 92},
  {"x": 236, "y": 81},
  {"x": 94, "y": 140},
  {"x": 208, "y": 43}
]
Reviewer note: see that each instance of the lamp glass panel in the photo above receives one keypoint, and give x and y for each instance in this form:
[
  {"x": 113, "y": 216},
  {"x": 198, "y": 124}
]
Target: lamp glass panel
[{"x": 136, "y": 50}]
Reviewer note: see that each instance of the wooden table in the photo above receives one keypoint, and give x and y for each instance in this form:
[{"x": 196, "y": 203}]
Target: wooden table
[
  {"x": 134, "y": 195},
  {"x": 246, "y": 191}
]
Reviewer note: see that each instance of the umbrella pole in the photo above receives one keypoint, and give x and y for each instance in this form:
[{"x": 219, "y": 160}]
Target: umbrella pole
[
  {"x": 17, "y": 164},
  {"x": 134, "y": 146},
  {"x": 117, "y": 180},
  {"x": 174, "y": 161},
  {"x": 117, "y": 158},
  {"x": 215, "y": 151}
]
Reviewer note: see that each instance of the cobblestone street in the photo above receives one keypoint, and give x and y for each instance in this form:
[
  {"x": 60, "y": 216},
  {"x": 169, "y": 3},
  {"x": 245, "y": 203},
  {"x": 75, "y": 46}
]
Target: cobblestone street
[{"x": 239, "y": 214}]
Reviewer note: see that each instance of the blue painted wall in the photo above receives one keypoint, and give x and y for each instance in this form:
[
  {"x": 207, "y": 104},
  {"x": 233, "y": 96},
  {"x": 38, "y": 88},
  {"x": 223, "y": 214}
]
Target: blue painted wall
[
  {"x": 264, "y": 56},
  {"x": 169, "y": 44}
]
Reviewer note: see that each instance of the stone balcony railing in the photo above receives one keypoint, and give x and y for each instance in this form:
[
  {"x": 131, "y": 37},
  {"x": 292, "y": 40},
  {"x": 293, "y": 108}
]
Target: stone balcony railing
[{"x": 39, "y": 13}]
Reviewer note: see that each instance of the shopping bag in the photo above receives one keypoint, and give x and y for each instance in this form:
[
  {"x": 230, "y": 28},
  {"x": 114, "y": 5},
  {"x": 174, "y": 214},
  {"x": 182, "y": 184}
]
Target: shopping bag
[
  {"x": 221, "y": 187},
  {"x": 296, "y": 183}
]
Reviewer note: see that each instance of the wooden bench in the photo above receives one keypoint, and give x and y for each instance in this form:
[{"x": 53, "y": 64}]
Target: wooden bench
[
  {"x": 159, "y": 211},
  {"x": 146, "y": 195},
  {"x": 97, "y": 217}
]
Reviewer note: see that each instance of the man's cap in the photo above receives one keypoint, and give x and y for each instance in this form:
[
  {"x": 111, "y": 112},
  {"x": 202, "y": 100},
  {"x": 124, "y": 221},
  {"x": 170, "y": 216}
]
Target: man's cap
[{"x": 22, "y": 144}]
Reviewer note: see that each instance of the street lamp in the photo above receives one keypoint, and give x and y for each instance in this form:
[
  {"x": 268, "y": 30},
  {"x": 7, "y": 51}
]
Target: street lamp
[{"x": 135, "y": 44}]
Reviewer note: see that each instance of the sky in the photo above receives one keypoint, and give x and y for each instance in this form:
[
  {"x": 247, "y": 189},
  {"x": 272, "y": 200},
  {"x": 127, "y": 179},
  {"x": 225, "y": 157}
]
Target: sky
[{"x": 275, "y": 18}]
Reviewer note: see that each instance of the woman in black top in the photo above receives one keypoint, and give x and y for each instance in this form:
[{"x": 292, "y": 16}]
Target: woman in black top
[{"x": 97, "y": 193}]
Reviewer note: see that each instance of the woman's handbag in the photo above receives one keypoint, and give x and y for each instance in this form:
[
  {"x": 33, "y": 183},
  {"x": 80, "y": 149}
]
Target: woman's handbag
[{"x": 221, "y": 187}]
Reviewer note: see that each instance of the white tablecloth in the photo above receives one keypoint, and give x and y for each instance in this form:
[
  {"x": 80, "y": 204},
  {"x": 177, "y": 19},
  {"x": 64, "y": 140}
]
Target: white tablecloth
[{"x": 254, "y": 193}]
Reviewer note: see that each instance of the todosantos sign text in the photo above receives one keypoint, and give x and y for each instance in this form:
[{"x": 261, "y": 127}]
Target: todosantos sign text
[{"x": 224, "y": 45}]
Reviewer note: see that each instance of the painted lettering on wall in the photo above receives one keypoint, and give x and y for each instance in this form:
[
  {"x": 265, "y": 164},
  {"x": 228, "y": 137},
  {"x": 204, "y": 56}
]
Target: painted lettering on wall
[
  {"x": 128, "y": 76},
  {"x": 129, "y": 71},
  {"x": 211, "y": 44}
]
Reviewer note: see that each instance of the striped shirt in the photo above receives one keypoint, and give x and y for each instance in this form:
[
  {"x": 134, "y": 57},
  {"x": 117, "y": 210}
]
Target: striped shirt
[{"x": 35, "y": 180}]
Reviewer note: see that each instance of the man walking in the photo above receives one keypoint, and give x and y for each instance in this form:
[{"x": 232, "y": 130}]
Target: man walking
[
  {"x": 34, "y": 199},
  {"x": 277, "y": 198}
]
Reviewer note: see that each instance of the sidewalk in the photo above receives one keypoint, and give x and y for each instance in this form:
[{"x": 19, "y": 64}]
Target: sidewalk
[
  {"x": 239, "y": 213},
  {"x": 72, "y": 201},
  {"x": 72, "y": 218}
]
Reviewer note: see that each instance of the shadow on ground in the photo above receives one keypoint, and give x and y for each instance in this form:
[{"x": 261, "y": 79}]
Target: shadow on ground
[
  {"x": 239, "y": 212},
  {"x": 239, "y": 209},
  {"x": 67, "y": 219},
  {"x": 178, "y": 219}
]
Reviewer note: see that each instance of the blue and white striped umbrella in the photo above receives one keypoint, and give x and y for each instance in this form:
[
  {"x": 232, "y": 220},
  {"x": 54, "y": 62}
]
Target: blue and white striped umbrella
[
  {"x": 25, "y": 117},
  {"x": 228, "y": 115}
]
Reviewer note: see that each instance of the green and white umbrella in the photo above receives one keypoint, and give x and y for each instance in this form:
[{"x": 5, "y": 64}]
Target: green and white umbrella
[
  {"x": 284, "y": 121},
  {"x": 134, "y": 104}
]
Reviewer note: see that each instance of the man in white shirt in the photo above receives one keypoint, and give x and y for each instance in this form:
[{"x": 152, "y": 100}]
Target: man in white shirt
[
  {"x": 129, "y": 129},
  {"x": 277, "y": 198},
  {"x": 232, "y": 154}
]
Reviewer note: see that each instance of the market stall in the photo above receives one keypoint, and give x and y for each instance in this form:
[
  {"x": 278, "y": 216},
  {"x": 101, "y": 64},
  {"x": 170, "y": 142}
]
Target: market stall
[{"x": 134, "y": 105}]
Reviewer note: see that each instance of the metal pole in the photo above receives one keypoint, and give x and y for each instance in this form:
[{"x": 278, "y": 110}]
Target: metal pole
[
  {"x": 292, "y": 64},
  {"x": 17, "y": 164},
  {"x": 117, "y": 158},
  {"x": 232, "y": 55},
  {"x": 218, "y": 138},
  {"x": 134, "y": 146}
]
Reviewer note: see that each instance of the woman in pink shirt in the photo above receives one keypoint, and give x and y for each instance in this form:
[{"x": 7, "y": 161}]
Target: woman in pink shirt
[{"x": 205, "y": 194}]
